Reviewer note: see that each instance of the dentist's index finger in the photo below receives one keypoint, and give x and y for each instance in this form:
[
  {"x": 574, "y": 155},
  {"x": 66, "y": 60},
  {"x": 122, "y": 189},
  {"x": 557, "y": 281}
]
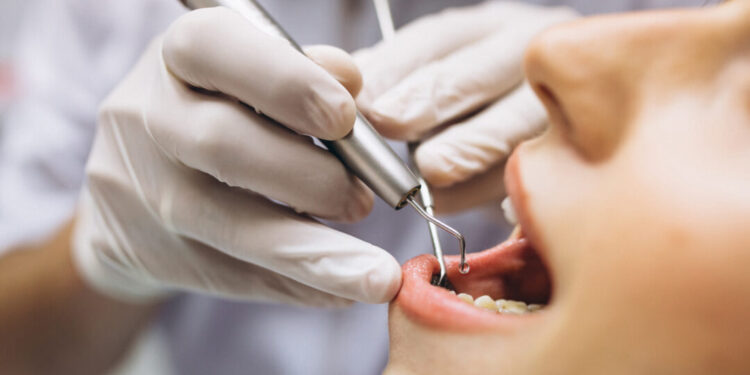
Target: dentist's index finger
[
  {"x": 427, "y": 39},
  {"x": 338, "y": 64},
  {"x": 473, "y": 146},
  {"x": 458, "y": 84},
  {"x": 216, "y": 49}
]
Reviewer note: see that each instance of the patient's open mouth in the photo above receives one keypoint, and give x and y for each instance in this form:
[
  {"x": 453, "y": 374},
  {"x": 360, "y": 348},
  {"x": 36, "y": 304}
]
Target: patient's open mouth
[{"x": 507, "y": 283}]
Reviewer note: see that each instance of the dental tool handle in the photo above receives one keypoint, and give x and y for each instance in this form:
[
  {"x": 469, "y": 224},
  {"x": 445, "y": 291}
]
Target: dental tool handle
[{"x": 363, "y": 150}]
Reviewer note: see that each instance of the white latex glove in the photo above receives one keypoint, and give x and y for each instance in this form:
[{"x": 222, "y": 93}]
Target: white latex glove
[
  {"x": 460, "y": 67},
  {"x": 184, "y": 181}
]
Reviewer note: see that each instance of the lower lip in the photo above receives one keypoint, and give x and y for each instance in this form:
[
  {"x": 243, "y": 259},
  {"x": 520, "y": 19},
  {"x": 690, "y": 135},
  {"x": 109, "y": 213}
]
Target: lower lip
[{"x": 436, "y": 307}]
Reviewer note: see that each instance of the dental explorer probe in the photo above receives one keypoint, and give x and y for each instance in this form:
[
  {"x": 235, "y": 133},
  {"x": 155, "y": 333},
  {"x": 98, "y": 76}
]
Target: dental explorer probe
[
  {"x": 388, "y": 31},
  {"x": 363, "y": 151}
]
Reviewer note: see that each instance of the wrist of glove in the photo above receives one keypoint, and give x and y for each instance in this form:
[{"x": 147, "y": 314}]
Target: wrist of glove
[
  {"x": 190, "y": 188},
  {"x": 454, "y": 82},
  {"x": 105, "y": 274}
]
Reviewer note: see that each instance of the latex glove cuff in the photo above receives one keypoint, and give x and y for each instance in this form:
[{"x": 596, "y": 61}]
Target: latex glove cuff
[{"x": 96, "y": 270}]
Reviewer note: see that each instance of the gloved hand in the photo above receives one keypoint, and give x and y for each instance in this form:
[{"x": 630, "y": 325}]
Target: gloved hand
[
  {"x": 460, "y": 67},
  {"x": 189, "y": 189}
]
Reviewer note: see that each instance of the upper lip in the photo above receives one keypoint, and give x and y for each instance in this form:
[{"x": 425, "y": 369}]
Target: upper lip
[{"x": 519, "y": 197}]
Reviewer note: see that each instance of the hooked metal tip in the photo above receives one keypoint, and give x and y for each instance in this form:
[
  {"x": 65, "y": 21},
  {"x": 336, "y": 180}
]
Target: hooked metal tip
[
  {"x": 463, "y": 266},
  {"x": 425, "y": 197},
  {"x": 442, "y": 282}
]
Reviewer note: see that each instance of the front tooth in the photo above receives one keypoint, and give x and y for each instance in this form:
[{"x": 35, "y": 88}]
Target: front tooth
[
  {"x": 501, "y": 304},
  {"x": 509, "y": 211},
  {"x": 466, "y": 298},
  {"x": 534, "y": 307},
  {"x": 486, "y": 302},
  {"x": 512, "y": 307}
]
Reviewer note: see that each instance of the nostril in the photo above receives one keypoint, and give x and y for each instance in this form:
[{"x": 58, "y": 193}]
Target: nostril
[
  {"x": 544, "y": 91},
  {"x": 555, "y": 111}
]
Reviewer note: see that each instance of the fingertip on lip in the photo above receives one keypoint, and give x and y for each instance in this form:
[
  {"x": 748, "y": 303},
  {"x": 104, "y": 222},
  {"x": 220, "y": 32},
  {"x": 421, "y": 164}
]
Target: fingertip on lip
[{"x": 384, "y": 281}]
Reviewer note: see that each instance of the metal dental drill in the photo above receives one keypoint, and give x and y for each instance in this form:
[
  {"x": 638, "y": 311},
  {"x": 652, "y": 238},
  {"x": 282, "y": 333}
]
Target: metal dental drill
[{"x": 363, "y": 151}]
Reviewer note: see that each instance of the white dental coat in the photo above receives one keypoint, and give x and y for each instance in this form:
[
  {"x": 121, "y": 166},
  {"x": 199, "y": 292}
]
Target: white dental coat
[{"x": 71, "y": 53}]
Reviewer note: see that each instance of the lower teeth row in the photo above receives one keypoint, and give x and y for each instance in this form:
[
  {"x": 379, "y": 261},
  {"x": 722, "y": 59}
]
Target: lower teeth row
[{"x": 504, "y": 306}]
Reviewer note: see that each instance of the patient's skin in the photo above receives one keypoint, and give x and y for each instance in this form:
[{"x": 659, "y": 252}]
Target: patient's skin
[{"x": 637, "y": 199}]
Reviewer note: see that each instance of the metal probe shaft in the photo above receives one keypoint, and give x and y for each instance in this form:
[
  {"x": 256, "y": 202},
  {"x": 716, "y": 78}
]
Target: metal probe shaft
[
  {"x": 388, "y": 31},
  {"x": 385, "y": 20},
  {"x": 429, "y": 205}
]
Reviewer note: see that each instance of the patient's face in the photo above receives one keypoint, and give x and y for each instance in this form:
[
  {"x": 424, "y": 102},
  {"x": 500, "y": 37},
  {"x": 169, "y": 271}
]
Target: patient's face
[{"x": 637, "y": 201}]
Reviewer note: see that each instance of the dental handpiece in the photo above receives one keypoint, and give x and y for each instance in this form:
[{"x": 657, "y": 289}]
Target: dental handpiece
[
  {"x": 363, "y": 151},
  {"x": 388, "y": 31}
]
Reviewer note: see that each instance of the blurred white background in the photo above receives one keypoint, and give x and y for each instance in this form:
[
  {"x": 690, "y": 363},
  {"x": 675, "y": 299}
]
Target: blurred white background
[
  {"x": 10, "y": 11},
  {"x": 10, "y": 16}
]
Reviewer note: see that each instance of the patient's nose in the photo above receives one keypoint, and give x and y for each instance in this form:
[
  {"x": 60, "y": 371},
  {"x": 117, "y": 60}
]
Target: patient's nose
[{"x": 585, "y": 72}]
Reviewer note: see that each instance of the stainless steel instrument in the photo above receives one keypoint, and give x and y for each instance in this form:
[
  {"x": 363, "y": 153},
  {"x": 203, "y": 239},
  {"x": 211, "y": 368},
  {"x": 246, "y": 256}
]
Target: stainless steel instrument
[{"x": 363, "y": 151}]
